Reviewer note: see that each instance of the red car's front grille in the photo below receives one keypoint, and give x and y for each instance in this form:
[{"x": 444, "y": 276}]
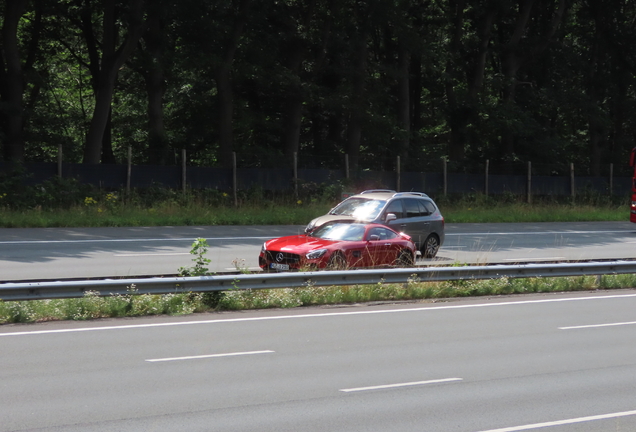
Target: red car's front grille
[{"x": 282, "y": 257}]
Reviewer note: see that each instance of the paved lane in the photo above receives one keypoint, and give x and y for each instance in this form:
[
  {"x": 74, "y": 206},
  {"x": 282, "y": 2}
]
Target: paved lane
[
  {"x": 503, "y": 364},
  {"x": 100, "y": 252}
]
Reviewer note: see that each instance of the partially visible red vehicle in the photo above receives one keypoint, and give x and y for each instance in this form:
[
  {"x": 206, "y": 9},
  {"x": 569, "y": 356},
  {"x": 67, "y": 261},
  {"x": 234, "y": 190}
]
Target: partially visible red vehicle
[
  {"x": 632, "y": 163},
  {"x": 339, "y": 246}
]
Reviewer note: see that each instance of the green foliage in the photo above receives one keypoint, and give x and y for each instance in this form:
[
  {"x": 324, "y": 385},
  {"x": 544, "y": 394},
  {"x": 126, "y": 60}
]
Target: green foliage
[
  {"x": 54, "y": 193},
  {"x": 93, "y": 306},
  {"x": 566, "y": 93},
  {"x": 199, "y": 249}
]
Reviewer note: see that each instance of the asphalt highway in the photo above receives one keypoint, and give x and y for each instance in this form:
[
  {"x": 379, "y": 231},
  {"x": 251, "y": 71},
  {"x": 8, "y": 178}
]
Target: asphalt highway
[
  {"x": 557, "y": 362},
  {"x": 61, "y": 253}
]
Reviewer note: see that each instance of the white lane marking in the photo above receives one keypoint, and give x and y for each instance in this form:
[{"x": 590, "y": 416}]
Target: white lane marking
[
  {"x": 269, "y": 237},
  {"x": 408, "y": 384},
  {"x": 598, "y": 325},
  {"x": 534, "y": 259},
  {"x": 209, "y": 356},
  {"x": 321, "y": 315},
  {"x": 152, "y": 254},
  {"x": 563, "y": 422}
]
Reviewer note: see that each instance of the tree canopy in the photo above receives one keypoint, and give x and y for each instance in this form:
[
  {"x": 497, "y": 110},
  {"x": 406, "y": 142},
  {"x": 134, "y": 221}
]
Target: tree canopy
[{"x": 547, "y": 81}]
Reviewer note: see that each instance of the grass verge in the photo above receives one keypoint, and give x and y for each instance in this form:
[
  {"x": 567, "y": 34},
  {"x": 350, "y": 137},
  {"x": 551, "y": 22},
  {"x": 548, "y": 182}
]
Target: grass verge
[
  {"x": 92, "y": 306},
  {"x": 190, "y": 210}
]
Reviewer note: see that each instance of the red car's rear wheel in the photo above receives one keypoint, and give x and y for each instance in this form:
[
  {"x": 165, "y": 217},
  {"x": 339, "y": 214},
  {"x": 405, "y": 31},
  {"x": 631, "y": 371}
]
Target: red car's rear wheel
[{"x": 405, "y": 259}]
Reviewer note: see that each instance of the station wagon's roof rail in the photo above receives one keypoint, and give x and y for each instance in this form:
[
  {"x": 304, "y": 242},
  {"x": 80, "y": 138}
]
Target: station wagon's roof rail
[
  {"x": 377, "y": 191},
  {"x": 422, "y": 194}
]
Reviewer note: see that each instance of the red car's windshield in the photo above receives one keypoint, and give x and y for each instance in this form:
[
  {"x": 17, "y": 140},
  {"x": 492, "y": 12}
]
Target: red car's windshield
[{"x": 339, "y": 231}]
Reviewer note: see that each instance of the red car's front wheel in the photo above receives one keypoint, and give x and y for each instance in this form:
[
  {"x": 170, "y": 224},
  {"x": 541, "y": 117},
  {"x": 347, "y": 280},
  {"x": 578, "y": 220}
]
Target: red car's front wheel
[{"x": 337, "y": 262}]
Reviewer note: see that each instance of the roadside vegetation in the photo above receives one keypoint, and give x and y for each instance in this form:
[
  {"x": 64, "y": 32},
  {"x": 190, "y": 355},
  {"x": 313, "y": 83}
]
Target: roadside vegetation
[
  {"x": 92, "y": 306},
  {"x": 67, "y": 203},
  {"x": 64, "y": 203}
]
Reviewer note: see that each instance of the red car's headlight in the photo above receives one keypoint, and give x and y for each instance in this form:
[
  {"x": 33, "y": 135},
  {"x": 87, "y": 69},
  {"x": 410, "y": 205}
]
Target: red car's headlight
[{"x": 314, "y": 254}]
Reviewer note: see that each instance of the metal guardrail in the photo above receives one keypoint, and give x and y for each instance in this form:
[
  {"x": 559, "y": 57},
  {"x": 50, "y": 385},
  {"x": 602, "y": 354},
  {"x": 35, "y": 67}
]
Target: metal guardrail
[{"x": 77, "y": 289}]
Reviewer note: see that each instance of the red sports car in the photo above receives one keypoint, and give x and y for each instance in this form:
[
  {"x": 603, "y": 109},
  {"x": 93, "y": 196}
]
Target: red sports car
[{"x": 339, "y": 246}]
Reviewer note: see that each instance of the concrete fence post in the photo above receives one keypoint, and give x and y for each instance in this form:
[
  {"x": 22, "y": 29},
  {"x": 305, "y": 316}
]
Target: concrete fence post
[
  {"x": 234, "y": 182},
  {"x": 183, "y": 170},
  {"x": 572, "y": 188},
  {"x": 399, "y": 180},
  {"x": 486, "y": 177},
  {"x": 296, "y": 175},
  {"x": 445, "y": 174},
  {"x": 129, "y": 170},
  {"x": 529, "y": 184},
  {"x": 59, "y": 160}
]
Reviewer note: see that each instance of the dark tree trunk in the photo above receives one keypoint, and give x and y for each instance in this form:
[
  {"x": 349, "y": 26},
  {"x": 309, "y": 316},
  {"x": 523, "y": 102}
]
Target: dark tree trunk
[
  {"x": 112, "y": 59},
  {"x": 415, "y": 88},
  {"x": 354, "y": 128},
  {"x": 226, "y": 109},
  {"x": 596, "y": 130},
  {"x": 359, "y": 41},
  {"x": 456, "y": 115},
  {"x": 294, "y": 115},
  {"x": 154, "y": 77},
  {"x": 513, "y": 60},
  {"x": 108, "y": 156},
  {"x": 294, "y": 101},
  {"x": 12, "y": 84},
  {"x": 404, "y": 102},
  {"x": 225, "y": 96}
]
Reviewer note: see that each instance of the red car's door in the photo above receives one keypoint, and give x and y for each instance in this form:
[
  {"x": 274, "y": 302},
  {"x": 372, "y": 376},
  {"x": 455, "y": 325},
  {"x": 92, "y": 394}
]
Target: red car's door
[{"x": 382, "y": 246}]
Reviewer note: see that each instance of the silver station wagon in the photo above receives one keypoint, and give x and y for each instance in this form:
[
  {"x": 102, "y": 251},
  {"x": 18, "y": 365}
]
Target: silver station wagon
[{"x": 413, "y": 213}]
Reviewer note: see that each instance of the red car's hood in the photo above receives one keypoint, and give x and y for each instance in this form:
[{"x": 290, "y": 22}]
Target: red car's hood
[{"x": 298, "y": 244}]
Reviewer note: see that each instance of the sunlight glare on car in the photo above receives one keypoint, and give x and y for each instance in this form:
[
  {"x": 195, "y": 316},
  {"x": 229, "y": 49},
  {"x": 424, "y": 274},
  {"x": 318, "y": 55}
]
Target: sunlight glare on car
[
  {"x": 368, "y": 210},
  {"x": 342, "y": 232}
]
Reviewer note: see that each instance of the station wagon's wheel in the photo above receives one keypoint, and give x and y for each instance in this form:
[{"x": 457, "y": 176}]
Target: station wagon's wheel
[
  {"x": 337, "y": 262},
  {"x": 405, "y": 259},
  {"x": 430, "y": 247}
]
